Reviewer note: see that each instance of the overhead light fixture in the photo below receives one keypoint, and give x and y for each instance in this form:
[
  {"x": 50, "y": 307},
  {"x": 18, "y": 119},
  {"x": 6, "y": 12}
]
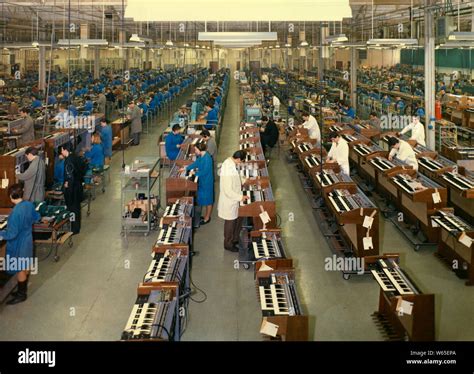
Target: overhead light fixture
[
  {"x": 277, "y": 46},
  {"x": 186, "y": 44},
  {"x": 140, "y": 39},
  {"x": 79, "y": 42},
  {"x": 35, "y": 44},
  {"x": 455, "y": 44},
  {"x": 339, "y": 38},
  {"x": 237, "y": 36},
  {"x": 287, "y": 45},
  {"x": 304, "y": 43},
  {"x": 169, "y": 43},
  {"x": 469, "y": 36},
  {"x": 392, "y": 42}
]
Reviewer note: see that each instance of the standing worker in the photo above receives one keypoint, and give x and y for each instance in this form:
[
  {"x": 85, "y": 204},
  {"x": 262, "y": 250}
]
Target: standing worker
[
  {"x": 205, "y": 173},
  {"x": 26, "y": 130},
  {"x": 312, "y": 126},
  {"x": 135, "y": 116},
  {"x": 403, "y": 151},
  {"x": 229, "y": 200},
  {"x": 34, "y": 177},
  {"x": 19, "y": 237},
  {"x": 74, "y": 171},
  {"x": 417, "y": 131},
  {"x": 210, "y": 143},
  {"x": 339, "y": 152},
  {"x": 106, "y": 139}
]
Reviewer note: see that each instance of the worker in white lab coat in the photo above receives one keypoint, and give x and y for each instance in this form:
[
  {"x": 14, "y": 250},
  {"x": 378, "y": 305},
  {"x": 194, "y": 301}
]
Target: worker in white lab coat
[
  {"x": 417, "y": 131},
  {"x": 230, "y": 197},
  {"x": 339, "y": 152},
  {"x": 403, "y": 151},
  {"x": 276, "y": 104},
  {"x": 312, "y": 126}
]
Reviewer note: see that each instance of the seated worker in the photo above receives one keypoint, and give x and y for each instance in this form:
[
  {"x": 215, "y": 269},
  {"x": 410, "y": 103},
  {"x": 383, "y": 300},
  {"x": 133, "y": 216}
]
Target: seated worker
[
  {"x": 211, "y": 116},
  {"x": 339, "y": 152},
  {"x": 400, "y": 105},
  {"x": 89, "y": 105},
  {"x": 173, "y": 142},
  {"x": 63, "y": 118},
  {"x": 35, "y": 103},
  {"x": 348, "y": 111},
  {"x": 270, "y": 133},
  {"x": 403, "y": 151},
  {"x": 51, "y": 100},
  {"x": 375, "y": 121},
  {"x": 73, "y": 110}
]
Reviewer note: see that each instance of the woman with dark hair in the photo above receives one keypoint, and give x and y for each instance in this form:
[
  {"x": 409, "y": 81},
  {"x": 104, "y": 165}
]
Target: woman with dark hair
[{"x": 19, "y": 237}]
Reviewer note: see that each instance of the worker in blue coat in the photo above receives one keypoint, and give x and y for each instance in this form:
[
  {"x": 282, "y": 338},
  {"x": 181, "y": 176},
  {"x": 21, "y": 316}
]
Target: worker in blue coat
[
  {"x": 58, "y": 178},
  {"x": 106, "y": 139},
  {"x": 19, "y": 238},
  {"x": 203, "y": 169},
  {"x": 211, "y": 116},
  {"x": 173, "y": 142},
  {"x": 95, "y": 155}
]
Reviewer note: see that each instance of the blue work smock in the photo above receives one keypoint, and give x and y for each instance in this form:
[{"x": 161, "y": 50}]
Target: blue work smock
[
  {"x": 106, "y": 139},
  {"x": 96, "y": 156},
  {"x": 19, "y": 233},
  {"x": 171, "y": 142},
  {"x": 205, "y": 174}
]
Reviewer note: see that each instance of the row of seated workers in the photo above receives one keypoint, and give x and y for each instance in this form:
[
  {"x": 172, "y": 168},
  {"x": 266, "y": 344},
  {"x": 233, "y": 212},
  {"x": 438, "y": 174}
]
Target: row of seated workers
[
  {"x": 151, "y": 89},
  {"x": 211, "y": 113}
]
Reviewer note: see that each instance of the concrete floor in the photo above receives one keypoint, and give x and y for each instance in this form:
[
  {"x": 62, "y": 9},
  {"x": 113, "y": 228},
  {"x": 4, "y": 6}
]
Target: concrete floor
[{"x": 89, "y": 293}]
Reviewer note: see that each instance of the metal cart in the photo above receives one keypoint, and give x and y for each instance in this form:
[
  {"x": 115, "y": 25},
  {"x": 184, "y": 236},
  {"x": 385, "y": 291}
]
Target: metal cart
[{"x": 140, "y": 177}]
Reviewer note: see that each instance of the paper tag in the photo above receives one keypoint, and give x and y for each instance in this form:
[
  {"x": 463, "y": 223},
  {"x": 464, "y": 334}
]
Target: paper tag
[
  {"x": 436, "y": 197},
  {"x": 264, "y": 235},
  {"x": 367, "y": 242},
  {"x": 465, "y": 239},
  {"x": 265, "y": 267},
  {"x": 269, "y": 328},
  {"x": 368, "y": 222},
  {"x": 264, "y": 217},
  {"x": 434, "y": 224},
  {"x": 404, "y": 307},
  {"x": 127, "y": 169},
  {"x": 5, "y": 183}
]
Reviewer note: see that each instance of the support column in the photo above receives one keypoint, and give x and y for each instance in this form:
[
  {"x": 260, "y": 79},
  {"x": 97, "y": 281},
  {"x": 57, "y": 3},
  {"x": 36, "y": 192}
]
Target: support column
[
  {"x": 96, "y": 63},
  {"x": 42, "y": 68},
  {"x": 122, "y": 41},
  {"x": 323, "y": 50},
  {"x": 84, "y": 32},
  {"x": 353, "y": 72},
  {"x": 429, "y": 76},
  {"x": 147, "y": 59}
]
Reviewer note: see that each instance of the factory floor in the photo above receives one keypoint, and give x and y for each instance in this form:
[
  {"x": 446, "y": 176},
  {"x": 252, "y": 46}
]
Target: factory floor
[{"x": 89, "y": 293}]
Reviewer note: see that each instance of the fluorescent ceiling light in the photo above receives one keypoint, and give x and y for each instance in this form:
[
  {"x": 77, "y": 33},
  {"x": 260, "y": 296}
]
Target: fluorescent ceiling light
[
  {"x": 140, "y": 39},
  {"x": 304, "y": 43},
  {"x": 392, "y": 42},
  {"x": 128, "y": 45},
  {"x": 461, "y": 36},
  {"x": 66, "y": 42},
  {"x": 340, "y": 38},
  {"x": 238, "y": 10},
  {"x": 169, "y": 43},
  {"x": 456, "y": 44},
  {"x": 237, "y": 36}
]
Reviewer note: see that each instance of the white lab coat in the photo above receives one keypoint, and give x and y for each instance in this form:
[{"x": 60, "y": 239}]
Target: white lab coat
[
  {"x": 313, "y": 128},
  {"x": 230, "y": 193},
  {"x": 417, "y": 132},
  {"x": 340, "y": 153},
  {"x": 405, "y": 154}
]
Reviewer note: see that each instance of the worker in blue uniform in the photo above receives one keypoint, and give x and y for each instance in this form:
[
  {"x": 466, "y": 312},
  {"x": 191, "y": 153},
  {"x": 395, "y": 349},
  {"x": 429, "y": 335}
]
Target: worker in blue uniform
[
  {"x": 58, "y": 178},
  {"x": 19, "y": 238},
  {"x": 211, "y": 116},
  {"x": 95, "y": 155},
  {"x": 106, "y": 139},
  {"x": 348, "y": 110},
  {"x": 88, "y": 105},
  {"x": 173, "y": 142},
  {"x": 203, "y": 169},
  {"x": 35, "y": 103}
]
